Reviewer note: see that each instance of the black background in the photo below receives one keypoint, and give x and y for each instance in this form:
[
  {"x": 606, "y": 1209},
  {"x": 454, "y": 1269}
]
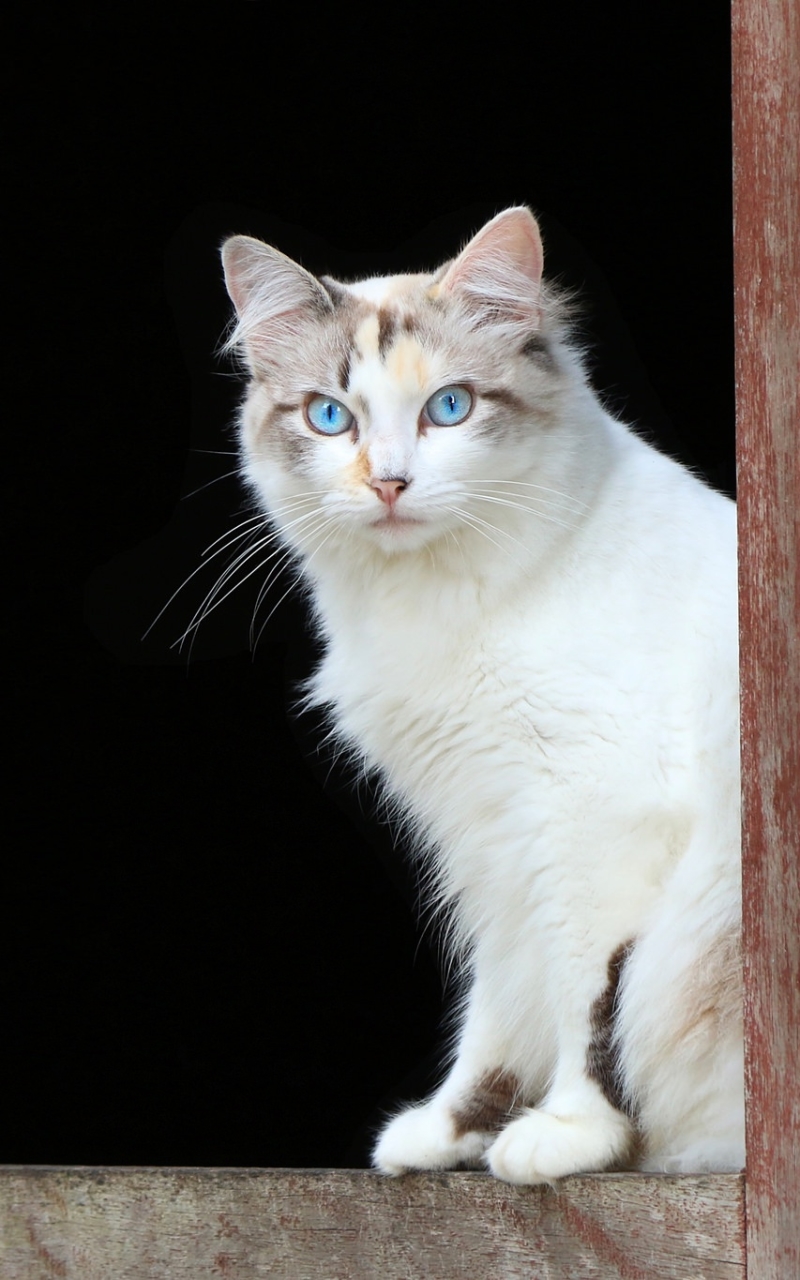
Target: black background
[{"x": 209, "y": 951}]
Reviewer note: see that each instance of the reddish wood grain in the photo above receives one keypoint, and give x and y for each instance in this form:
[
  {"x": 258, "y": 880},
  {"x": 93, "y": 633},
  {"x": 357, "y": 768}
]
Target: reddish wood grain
[{"x": 766, "y": 84}]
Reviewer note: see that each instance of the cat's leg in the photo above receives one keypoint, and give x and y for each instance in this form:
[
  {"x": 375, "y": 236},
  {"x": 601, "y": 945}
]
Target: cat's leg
[
  {"x": 679, "y": 1023},
  {"x": 580, "y": 1126},
  {"x": 455, "y": 1126}
]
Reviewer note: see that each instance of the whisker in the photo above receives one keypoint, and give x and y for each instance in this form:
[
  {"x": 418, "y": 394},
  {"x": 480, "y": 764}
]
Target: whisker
[
  {"x": 541, "y": 502},
  {"x": 527, "y": 484},
  {"x": 226, "y": 476},
  {"x": 300, "y": 500},
  {"x": 231, "y": 534},
  {"x": 480, "y": 526},
  {"x": 288, "y": 554},
  {"x": 330, "y": 521},
  {"x": 517, "y": 506},
  {"x": 218, "y": 594},
  {"x": 205, "y": 561},
  {"x": 213, "y": 599}
]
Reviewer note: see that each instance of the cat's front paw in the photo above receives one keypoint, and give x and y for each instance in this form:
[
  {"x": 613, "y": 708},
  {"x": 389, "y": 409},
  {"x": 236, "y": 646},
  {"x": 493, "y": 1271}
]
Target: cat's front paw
[
  {"x": 541, "y": 1147},
  {"x": 424, "y": 1137}
]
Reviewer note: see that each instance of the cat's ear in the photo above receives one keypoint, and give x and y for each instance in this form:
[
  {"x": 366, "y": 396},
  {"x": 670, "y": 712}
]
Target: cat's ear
[
  {"x": 273, "y": 296},
  {"x": 498, "y": 275}
]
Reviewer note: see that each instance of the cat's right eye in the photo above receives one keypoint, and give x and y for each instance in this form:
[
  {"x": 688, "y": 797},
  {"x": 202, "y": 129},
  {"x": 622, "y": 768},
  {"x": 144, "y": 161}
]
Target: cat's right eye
[{"x": 328, "y": 416}]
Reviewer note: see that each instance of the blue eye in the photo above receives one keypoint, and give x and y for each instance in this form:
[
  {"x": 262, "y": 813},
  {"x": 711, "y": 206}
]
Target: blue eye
[
  {"x": 328, "y": 416},
  {"x": 448, "y": 407}
]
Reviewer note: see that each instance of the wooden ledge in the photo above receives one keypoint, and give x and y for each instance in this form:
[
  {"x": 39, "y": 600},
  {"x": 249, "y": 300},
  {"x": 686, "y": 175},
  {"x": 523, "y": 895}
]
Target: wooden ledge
[{"x": 203, "y": 1224}]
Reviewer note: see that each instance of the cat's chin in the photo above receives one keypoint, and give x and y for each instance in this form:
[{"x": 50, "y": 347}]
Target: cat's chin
[{"x": 400, "y": 533}]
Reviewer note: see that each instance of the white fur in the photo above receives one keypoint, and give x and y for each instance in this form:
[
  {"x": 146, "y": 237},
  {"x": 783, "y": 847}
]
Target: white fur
[{"x": 543, "y": 669}]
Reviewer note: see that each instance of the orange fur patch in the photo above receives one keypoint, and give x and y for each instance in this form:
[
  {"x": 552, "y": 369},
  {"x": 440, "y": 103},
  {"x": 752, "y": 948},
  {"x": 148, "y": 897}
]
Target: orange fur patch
[{"x": 406, "y": 362}]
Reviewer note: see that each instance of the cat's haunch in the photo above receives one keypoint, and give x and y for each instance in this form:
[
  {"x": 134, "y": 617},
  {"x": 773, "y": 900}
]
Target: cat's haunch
[{"x": 530, "y": 632}]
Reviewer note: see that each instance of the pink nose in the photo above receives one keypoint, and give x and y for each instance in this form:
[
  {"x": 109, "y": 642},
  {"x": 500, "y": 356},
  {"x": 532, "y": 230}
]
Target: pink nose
[{"x": 389, "y": 490}]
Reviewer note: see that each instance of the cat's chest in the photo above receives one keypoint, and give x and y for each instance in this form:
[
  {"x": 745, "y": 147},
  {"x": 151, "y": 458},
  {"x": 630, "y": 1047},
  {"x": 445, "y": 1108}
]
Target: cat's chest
[{"x": 441, "y": 679}]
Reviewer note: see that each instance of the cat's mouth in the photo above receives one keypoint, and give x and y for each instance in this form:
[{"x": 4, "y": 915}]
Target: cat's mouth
[{"x": 391, "y": 520}]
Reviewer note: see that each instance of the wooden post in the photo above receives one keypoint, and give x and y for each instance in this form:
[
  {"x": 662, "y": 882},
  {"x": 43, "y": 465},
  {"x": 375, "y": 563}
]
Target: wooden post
[{"x": 766, "y": 117}]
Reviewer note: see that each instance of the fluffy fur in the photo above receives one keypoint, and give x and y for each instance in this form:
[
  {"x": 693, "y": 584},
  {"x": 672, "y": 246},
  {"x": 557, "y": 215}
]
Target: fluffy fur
[{"x": 530, "y": 632}]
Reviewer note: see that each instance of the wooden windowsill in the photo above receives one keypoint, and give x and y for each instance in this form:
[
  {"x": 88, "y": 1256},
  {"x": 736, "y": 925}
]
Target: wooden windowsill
[{"x": 199, "y": 1224}]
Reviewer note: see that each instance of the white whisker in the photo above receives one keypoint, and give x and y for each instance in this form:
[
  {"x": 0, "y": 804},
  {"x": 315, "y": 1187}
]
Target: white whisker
[
  {"x": 480, "y": 526},
  {"x": 213, "y": 599},
  {"x": 233, "y": 536},
  {"x": 286, "y": 556},
  {"x": 518, "y": 506},
  {"x": 226, "y": 476},
  {"x": 576, "y": 503},
  {"x": 329, "y": 522},
  {"x": 205, "y": 560}
]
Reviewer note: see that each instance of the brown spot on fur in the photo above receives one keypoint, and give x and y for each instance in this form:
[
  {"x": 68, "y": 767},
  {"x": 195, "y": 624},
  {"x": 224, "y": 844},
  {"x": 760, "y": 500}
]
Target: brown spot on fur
[
  {"x": 500, "y": 395},
  {"x": 537, "y": 348},
  {"x": 490, "y": 1104},
  {"x": 387, "y": 324},
  {"x": 602, "y": 1059},
  {"x": 282, "y": 439},
  {"x": 344, "y": 371}
]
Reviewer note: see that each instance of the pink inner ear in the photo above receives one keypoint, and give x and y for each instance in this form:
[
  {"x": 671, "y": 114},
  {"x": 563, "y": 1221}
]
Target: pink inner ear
[
  {"x": 240, "y": 258},
  {"x": 515, "y": 235},
  {"x": 524, "y": 244},
  {"x": 503, "y": 261}
]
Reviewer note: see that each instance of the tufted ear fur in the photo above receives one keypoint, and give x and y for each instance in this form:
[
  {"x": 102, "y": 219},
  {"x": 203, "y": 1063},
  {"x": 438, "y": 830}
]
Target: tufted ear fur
[
  {"x": 273, "y": 297},
  {"x": 498, "y": 275}
]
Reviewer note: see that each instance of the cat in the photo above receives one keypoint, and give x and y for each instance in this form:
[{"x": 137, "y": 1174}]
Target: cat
[{"x": 529, "y": 623}]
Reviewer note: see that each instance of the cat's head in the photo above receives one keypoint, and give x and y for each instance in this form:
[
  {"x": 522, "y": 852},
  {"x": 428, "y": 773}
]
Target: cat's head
[{"x": 402, "y": 409}]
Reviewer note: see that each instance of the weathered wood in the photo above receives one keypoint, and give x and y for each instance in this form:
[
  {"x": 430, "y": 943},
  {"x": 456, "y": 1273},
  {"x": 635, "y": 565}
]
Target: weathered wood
[
  {"x": 766, "y": 82},
  {"x": 203, "y": 1224}
]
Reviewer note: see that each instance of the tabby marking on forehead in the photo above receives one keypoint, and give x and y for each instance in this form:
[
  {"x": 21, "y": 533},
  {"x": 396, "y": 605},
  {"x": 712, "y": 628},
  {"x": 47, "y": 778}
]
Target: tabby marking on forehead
[
  {"x": 386, "y": 336},
  {"x": 387, "y": 325}
]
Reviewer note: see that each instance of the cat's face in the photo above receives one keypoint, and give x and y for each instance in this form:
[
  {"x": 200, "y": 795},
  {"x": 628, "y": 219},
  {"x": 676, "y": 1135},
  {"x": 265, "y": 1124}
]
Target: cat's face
[{"x": 397, "y": 409}]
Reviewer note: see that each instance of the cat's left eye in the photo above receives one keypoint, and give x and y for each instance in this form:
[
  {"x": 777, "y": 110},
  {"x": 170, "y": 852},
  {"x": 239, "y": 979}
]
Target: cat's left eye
[
  {"x": 328, "y": 416},
  {"x": 450, "y": 406}
]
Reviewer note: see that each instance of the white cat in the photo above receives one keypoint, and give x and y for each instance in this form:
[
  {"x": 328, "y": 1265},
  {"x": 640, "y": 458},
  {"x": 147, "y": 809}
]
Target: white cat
[{"x": 530, "y": 630}]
